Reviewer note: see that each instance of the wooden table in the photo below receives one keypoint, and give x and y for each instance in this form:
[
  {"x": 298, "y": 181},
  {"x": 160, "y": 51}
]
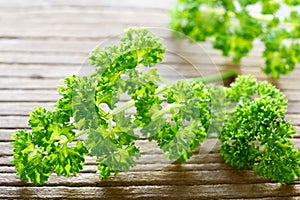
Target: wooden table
[{"x": 41, "y": 42}]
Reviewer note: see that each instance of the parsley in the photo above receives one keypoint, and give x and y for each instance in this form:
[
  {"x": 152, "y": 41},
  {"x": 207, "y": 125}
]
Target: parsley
[
  {"x": 233, "y": 29},
  {"x": 89, "y": 118},
  {"x": 256, "y": 135},
  {"x": 110, "y": 134}
]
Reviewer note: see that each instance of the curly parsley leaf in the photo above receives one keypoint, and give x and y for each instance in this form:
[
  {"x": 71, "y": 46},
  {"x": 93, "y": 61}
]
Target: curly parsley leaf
[
  {"x": 233, "y": 29},
  {"x": 257, "y": 134},
  {"x": 179, "y": 124},
  {"x": 47, "y": 147}
]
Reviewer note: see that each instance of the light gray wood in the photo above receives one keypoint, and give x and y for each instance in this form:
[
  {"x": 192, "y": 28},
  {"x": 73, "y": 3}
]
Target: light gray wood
[
  {"x": 38, "y": 71},
  {"x": 89, "y": 18},
  {"x": 22, "y": 108},
  {"x": 157, "y": 4},
  {"x": 79, "y": 59},
  {"x": 28, "y": 95},
  {"x": 73, "y": 46}
]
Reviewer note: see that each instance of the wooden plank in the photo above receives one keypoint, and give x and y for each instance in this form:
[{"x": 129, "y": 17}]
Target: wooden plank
[
  {"x": 28, "y": 95},
  {"x": 293, "y": 95},
  {"x": 83, "y": 16},
  {"x": 77, "y": 47},
  {"x": 42, "y": 58},
  {"x": 92, "y": 169},
  {"x": 21, "y": 108},
  {"x": 22, "y": 76},
  {"x": 95, "y": 33},
  {"x": 52, "y": 71},
  {"x": 78, "y": 59},
  {"x": 148, "y": 178},
  {"x": 5, "y": 134},
  {"x": 38, "y": 71},
  {"x": 202, "y": 63},
  {"x": 48, "y": 46},
  {"x": 150, "y": 158},
  {"x": 85, "y": 46},
  {"x": 293, "y": 108},
  {"x": 155, "y": 4},
  {"x": 29, "y": 83},
  {"x": 220, "y": 191}
]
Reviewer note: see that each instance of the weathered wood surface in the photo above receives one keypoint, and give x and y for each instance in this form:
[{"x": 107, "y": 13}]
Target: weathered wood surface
[{"x": 41, "y": 42}]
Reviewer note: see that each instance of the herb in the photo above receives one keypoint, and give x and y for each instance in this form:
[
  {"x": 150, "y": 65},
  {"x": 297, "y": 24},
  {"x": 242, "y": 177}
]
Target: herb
[
  {"x": 89, "y": 118},
  {"x": 256, "y": 134},
  {"x": 233, "y": 29},
  {"x": 178, "y": 124}
]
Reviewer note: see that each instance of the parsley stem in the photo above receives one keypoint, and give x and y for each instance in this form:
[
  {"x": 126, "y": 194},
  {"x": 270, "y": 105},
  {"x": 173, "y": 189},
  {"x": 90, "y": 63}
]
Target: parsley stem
[
  {"x": 64, "y": 141},
  {"x": 124, "y": 107},
  {"x": 208, "y": 79},
  {"x": 159, "y": 114},
  {"x": 215, "y": 78},
  {"x": 101, "y": 111},
  {"x": 131, "y": 103}
]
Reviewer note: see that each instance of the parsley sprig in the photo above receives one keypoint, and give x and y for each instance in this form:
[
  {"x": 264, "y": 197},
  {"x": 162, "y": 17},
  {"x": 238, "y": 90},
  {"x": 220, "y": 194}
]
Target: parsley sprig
[
  {"x": 90, "y": 119},
  {"x": 90, "y": 107},
  {"x": 233, "y": 29},
  {"x": 256, "y": 134}
]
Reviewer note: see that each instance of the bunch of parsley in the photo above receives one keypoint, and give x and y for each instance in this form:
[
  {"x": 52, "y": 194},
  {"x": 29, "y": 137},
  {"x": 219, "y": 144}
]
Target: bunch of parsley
[{"x": 89, "y": 118}]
